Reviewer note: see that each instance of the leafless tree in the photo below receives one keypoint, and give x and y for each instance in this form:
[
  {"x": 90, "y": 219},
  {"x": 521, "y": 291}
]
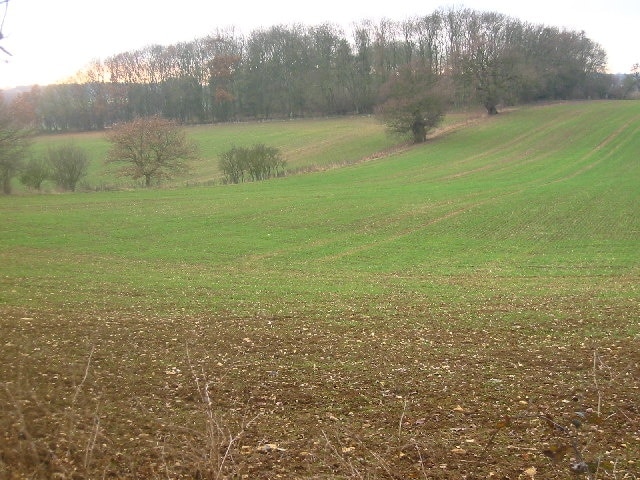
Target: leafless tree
[{"x": 150, "y": 148}]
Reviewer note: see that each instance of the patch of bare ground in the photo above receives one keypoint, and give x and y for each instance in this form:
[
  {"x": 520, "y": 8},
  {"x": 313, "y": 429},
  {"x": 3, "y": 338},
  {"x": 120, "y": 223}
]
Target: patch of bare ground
[{"x": 413, "y": 392}]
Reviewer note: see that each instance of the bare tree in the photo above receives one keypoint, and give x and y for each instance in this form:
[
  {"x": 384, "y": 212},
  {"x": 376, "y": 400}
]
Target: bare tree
[{"x": 150, "y": 148}]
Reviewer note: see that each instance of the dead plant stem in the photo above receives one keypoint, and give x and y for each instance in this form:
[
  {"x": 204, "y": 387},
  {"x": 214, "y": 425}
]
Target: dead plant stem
[
  {"x": 404, "y": 411},
  {"x": 84, "y": 377}
]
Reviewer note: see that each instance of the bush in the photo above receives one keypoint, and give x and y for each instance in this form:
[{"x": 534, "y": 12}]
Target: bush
[
  {"x": 68, "y": 165},
  {"x": 34, "y": 173},
  {"x": 258, "y": 162}
]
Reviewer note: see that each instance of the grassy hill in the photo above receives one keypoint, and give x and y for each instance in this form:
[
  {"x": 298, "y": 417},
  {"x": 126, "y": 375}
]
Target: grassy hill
[
  {"x": 407, "y": 305},
  {"x": 544, "y": 192},
  {"x": 305, "y": 144}
]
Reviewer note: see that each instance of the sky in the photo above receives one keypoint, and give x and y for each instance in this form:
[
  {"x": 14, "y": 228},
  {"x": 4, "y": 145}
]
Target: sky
[{"x": 51, "y": 40}]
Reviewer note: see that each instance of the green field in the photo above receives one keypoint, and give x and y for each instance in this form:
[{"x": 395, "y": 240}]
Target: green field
[
  {"x": 378, "y": 320},
  {"x": 304, "y": 144}
]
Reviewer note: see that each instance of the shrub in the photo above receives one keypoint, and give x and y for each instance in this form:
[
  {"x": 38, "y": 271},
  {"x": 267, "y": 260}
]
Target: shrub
[
  {"x": 68, "y": 165},
  {"x": 258, "y": 162},
  {"x": 35, "y": 172}
]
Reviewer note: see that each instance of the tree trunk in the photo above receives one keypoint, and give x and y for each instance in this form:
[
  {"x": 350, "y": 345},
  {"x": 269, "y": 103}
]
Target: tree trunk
[
  {"x": 492, "y": 109},
  {"x": 147, "y": 180},
  {"x": 419, "y": 132}
]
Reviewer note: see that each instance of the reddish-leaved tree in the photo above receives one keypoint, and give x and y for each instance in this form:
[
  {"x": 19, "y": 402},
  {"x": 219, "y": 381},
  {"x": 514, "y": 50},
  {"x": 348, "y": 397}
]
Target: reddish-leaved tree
[{"x": 150, "y": 148}]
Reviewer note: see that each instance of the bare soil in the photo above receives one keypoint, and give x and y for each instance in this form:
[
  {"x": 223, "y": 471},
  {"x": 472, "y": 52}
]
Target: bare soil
[{"x": 400, "y": 394}]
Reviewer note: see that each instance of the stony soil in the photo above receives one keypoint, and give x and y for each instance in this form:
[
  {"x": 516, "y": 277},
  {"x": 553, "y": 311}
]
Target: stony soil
[{"x": 405, "y": 393}]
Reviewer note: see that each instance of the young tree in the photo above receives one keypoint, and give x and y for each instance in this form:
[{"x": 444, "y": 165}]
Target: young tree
[
  {"x": 413, "y": 101},
  {"x": 68, "y": 165},
  {"x": 14, "y": 142},
  {"x": 151, "y": 148}
]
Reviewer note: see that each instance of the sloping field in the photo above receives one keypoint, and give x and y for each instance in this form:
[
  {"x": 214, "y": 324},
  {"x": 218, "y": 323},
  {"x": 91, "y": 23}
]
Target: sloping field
[
  {"x": 304, "y": 144},
  {"x": 464, "y": 309}
]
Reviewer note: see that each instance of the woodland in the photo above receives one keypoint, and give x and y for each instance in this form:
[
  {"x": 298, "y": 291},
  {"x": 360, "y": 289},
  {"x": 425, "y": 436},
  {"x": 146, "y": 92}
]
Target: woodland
[{"x": 293, "y": 71}]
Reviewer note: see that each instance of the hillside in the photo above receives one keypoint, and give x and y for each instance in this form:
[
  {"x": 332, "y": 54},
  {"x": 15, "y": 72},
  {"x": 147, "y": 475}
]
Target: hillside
[
  {"x": 543, "y": 188},
  {"x": 304, "y": 144},
  {"x": 426, "y": 314}
]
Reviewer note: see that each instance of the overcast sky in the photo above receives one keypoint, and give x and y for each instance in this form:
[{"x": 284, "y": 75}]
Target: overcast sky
[{"x": 50, "y": 40}]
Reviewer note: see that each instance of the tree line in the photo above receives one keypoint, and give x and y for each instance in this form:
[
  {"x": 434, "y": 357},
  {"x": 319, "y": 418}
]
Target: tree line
[{"x": 294, "y": 71}]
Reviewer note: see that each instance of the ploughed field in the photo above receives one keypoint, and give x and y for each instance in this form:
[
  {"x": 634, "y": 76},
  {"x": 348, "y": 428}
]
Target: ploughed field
[{"x": 468, "y": 308}]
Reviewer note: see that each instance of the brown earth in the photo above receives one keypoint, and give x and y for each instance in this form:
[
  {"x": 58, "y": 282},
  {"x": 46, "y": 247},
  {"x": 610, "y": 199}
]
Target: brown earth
[{"x": 400, "y": 394}]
